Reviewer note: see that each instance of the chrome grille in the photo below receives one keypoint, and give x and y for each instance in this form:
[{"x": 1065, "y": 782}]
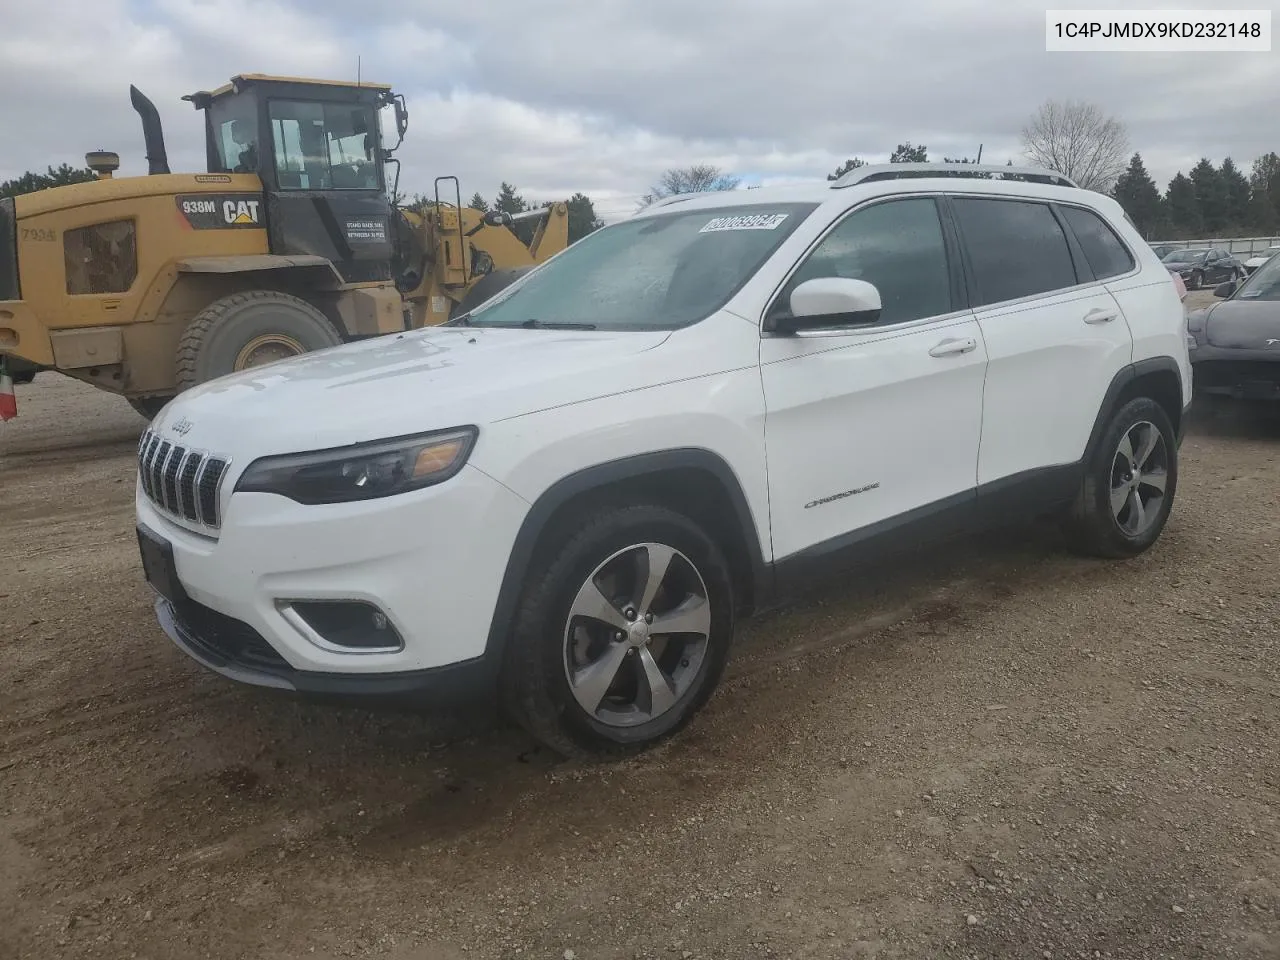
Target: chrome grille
[{"x": 181, "y": 481}]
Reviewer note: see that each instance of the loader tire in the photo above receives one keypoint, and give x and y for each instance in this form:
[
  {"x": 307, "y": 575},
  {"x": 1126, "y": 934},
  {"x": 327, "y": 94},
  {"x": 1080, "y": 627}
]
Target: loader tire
[{"x": 246, "y": 330}]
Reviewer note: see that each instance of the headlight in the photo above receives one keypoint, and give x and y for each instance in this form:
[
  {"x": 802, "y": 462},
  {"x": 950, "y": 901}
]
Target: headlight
[{"x": 362, "y": 471}]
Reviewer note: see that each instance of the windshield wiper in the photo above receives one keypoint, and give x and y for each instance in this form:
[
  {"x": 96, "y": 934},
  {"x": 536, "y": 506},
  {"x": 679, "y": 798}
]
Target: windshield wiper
[{"x": 556, "y": 325}]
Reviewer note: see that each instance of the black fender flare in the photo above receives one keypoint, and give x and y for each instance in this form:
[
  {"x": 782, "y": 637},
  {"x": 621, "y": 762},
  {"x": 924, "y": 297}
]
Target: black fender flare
[
  {"x": 1110, "y": 400},
  {"x": 604, "y": 475}
]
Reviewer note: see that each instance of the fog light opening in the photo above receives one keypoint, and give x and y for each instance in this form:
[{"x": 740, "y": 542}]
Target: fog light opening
[{"x": 347, "y": 625}]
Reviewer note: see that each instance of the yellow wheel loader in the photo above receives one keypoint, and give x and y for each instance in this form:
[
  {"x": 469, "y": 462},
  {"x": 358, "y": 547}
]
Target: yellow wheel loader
[{"x": 145, "y": 286}]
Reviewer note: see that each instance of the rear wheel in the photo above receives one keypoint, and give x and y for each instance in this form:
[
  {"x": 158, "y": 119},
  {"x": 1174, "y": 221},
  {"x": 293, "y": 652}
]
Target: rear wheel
[
  {"x": 247, "y": 330},
  {"x": 1196, "y": 281},
  {"x": 1129, "y": 483},
  {"x": 624, "y": 637}
]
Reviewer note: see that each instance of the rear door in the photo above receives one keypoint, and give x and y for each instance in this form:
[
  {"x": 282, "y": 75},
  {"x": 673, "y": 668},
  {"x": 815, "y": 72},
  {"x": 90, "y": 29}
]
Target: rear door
[{"x": 1055, "y": 335}]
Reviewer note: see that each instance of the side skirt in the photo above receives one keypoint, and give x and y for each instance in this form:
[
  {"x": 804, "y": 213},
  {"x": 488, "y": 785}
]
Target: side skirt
[{"x": 1008, "y": 500}]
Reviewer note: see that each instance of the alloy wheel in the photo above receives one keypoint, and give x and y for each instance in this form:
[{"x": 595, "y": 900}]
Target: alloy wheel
[
  {"x": 1139, "y": 475},
  {"x": 637, "y": 635}
]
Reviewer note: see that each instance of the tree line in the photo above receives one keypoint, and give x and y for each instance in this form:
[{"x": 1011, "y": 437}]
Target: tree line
[
  {"x": 1215, "y": 200},
  {"x": 30, "y": 182}
]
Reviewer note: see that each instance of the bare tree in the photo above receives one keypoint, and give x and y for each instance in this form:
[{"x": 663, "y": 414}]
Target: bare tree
[
  {"x": 1077, "y": 139},
  {"x": 699, "y": 178}
]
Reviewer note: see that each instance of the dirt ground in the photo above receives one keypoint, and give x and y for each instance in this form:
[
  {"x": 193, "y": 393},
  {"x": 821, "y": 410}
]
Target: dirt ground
[{"x": 993, "y": 750}]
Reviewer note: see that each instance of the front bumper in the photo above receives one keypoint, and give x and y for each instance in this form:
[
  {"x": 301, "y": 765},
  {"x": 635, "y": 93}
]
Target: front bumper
[
  {"x": 1235, "y": 373},
  {"x": 431, "y": 562}
]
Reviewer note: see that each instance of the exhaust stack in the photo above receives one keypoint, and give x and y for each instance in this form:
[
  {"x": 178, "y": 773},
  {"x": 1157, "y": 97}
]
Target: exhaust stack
[{"x": 152, "y": 134}]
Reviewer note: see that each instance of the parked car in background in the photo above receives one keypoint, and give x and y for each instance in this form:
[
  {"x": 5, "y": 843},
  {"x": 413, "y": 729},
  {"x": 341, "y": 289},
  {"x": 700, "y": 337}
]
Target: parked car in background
[
  {"x": 1204, "y": 266},
  {"x": 1235, "y": 343},
  {"x": 1257, "y": 260}
]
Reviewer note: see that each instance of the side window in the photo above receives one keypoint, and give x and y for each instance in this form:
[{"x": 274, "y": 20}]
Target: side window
[
  {"x": 1016, "y": 248},
  {"x": 896, "y": 245},
  {"x": 102, "y": 258},
  {"x": 1107, "y": 255}
]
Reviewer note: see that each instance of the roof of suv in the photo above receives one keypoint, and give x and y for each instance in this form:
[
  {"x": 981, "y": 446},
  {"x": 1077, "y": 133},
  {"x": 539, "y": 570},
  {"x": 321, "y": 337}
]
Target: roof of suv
[{"x": 885, "y": 178}]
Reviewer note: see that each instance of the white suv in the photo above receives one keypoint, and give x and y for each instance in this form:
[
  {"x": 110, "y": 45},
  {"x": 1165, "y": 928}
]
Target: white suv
[{"x": 566, "y": 497}]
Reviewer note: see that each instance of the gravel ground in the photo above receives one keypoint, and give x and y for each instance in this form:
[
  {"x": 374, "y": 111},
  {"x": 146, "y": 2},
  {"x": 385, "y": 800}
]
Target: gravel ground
[{"x": 995, "y": 749}]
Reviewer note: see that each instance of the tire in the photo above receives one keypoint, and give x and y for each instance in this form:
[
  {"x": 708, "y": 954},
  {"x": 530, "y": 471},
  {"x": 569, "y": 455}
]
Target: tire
[
  {"x": 1197, "y": 281},
  {"x": 1093, "y": 525},
  {"x": 148, "y": 407},
  {"x": 215, "y": 341},
  {"x": 547, "y": 641}
]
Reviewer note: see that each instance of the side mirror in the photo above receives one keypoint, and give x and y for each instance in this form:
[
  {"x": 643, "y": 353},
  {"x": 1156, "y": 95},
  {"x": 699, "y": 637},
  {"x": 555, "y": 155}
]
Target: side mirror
[
  {"x": 1224, "y": 290},
  {"x": 829, "y": 302},
  {"x": 402, "y": 118}
]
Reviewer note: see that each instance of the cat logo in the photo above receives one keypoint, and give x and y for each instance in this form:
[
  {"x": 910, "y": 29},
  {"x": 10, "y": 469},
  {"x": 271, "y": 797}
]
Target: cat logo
[{"x": 240, "y": 212}]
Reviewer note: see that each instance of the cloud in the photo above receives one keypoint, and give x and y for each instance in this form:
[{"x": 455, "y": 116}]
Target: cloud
[{"x": 563, "y": 96}]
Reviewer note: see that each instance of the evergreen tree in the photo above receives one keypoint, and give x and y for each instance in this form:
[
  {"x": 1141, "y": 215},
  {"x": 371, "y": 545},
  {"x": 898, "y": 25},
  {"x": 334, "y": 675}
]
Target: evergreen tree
[
  {"x": 851, "y": 164},
  {"x": 1180, "y": 200},
  {"x": 1140, "y": 197},
  {"x": 509, "y": 201},
  {"x": 1211, "y": 195},
  {"x": 479, "y": 203},
  {"x": 1235, "y": 187},
  {"x": 907, "y": 153},
  {"x": 582, "y": 217},
  {"x": 1264, "y": 187}
]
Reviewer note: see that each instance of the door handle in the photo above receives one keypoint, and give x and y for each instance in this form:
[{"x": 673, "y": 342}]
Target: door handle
[
  {"x": 948, "y": 348},
  {"x": 1098, "y": 315}
]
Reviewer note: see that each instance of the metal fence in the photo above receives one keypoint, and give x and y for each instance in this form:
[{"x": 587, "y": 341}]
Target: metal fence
[{"x": 1242, "y": 247}]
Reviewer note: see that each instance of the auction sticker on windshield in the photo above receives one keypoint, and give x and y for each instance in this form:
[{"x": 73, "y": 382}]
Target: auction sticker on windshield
[{"x": 755, "y": 221}]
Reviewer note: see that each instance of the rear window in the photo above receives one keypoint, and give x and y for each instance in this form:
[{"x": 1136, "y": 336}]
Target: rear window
[
  {"x": 1016, "y": 248},
  {"x": 1107, "y": 255}
]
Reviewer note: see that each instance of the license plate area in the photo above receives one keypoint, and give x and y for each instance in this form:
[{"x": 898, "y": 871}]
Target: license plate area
[{"x": 158, "y": 565}]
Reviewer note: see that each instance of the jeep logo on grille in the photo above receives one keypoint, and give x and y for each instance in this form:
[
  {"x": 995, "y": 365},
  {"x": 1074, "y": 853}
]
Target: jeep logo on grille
[{"x": 182, "y": 427}]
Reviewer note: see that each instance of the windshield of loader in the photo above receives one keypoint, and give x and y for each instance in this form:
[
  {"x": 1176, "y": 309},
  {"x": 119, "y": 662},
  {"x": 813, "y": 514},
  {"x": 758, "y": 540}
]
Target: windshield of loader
[
  {"x": 653, "y": 273},
  {"x": 324, "y": 146}
]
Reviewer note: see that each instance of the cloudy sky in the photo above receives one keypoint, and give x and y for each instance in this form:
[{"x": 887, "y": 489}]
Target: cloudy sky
[{"x": 600, "y": 96}]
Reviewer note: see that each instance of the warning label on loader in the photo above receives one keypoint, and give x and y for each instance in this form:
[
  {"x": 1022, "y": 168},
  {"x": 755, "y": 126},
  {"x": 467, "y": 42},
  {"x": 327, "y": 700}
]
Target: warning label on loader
[
  {"x": 366, "y": 230},
  {"x": 221, "y": 211}
]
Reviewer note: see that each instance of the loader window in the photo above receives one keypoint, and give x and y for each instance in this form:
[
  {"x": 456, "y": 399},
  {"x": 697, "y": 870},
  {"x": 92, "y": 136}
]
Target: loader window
[
  {"x": 324, "y": 146},
  {"x": 652, "y": 273},
  {"x": 102, "y": 258},
  {"x": 235, "y": 125}
]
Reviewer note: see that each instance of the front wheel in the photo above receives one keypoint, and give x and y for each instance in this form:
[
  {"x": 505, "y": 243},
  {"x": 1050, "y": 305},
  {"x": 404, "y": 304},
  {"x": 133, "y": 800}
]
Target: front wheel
[
  {"x": 247, "y": 330},
  {"x": 624, "y": 637},
  {"x": 1129, "y": 484}
]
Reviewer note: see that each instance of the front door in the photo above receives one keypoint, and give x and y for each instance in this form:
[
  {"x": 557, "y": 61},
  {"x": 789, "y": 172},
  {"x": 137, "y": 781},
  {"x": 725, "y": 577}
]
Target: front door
[{"x": 869, "y": 426}]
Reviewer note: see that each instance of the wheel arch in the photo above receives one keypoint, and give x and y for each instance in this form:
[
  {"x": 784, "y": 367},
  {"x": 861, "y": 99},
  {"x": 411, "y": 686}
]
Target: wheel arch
[
  {"x": 1159, "y": 378},
  {"x": 689, "y": 479}
]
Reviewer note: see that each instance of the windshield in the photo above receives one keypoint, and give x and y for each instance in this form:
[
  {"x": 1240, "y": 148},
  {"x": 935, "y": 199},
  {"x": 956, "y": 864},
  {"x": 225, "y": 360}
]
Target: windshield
[
  {"x": 1262, "y": 284},
  {"x": 652, "y": 273},
  {"x": 1184, "y": 256}
]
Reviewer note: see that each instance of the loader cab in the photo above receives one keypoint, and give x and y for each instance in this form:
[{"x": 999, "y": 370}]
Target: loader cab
[{"x": 317, "y": 148}]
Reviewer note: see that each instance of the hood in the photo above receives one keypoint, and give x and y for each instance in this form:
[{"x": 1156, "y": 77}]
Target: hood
[
  {"x": 1244, "y": 325},
  {"x": 407, "y": 383}
]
